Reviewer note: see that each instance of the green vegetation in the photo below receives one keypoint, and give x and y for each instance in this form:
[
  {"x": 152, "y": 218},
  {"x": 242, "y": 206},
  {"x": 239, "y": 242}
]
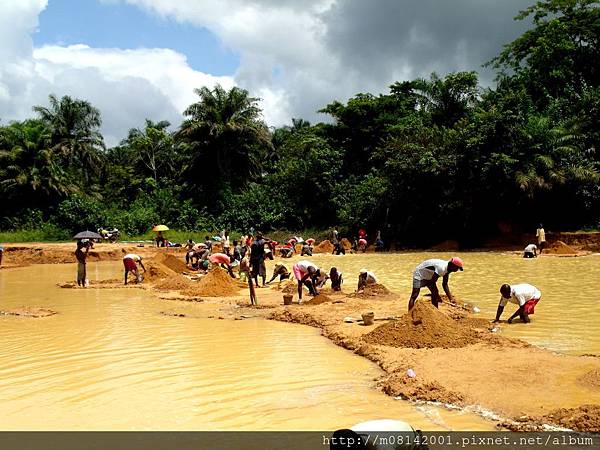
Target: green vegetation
[{"x": 433, "y": 159}]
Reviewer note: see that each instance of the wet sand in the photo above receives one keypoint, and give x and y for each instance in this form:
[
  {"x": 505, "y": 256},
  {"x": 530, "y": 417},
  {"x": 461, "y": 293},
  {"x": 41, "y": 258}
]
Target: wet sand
[{"x": 524, "y": 387}]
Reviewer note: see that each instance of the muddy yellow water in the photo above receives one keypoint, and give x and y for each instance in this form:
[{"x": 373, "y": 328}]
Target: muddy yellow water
[
  {"x": 567, "y": 319},
  {"x": 111, "y": 361}
]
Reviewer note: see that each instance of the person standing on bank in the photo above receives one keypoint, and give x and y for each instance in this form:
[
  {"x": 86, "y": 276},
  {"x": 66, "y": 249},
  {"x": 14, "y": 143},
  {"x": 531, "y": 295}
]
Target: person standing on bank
[
  {"x": 540, "y": 234},
  {"x": 526, "y": 296},
  {"x": 257, "y": 258},
  {"x": 427, "y": 273}
]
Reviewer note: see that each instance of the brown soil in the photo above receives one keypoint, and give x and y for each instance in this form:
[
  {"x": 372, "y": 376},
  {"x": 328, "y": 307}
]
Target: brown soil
[
  {"x": 586, "y": 241},
  {"x": 323, "y": 247},
  {"x": 171, "y": 261},
  {"x": 28, "y": 311},
  {"x": 217, "y": 283},
  {"x": 559, "y": 248},
  {"x": 289, "y": 287},
  {"x": 318, "y": 299},
  {"x": 346, "y": 244},
  {"x": 591, "y": 379},
  {"x": 446, "y": 246},
  {"x": 156, "y": 272},
  {"x": 583, "y": 418},
  {"x": 174, "y": 283},
  {"x": 423, "y": 327},
  {"x": 372, "y": 290}
]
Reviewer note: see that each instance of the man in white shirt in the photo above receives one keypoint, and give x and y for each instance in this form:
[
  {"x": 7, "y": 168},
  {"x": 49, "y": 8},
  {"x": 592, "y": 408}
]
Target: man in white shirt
[
  {"x": 426, "y": 275},
  {"x": 366, "y": 278},
  {"x": 131, "y": 261},
  {"x": 530, "y": 251},
  {"x": 540, "y": 234},
  {"x": 526, "y": 296}
]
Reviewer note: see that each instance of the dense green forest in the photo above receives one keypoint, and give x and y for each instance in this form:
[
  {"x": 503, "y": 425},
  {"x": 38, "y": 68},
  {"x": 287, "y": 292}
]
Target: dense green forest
[{"x": 432, "y": 159}]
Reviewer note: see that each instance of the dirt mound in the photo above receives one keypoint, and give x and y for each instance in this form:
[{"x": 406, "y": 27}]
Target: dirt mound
[
  {"x": 591, "y": 379},
  {"x": 372, "y": 290},
  {"x": 217, "y": 283},
  {"x": 28, "y": 311},
  {"x": 324, "y": 247},
  {"x": 289, "y": 287},
  {"x": 559, "y": 248},
  {"x": 346, "y": 244},
  {"x": 175, "y": 283},
  {"x": 318, "y": 299},
  {"x": 446, "y": 246},
  {"x": 423, "y": 327},
  {"x": 170, "y": 261},
  {"x": 156, "y": 272},
  {"x": 583, "y": 418}
]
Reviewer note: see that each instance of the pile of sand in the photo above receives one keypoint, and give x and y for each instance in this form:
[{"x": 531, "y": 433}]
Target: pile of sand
[
  {"x": 591, "y": 379},
  {"x": 372, "y": 290},
  {"x": 156, "y": 272},
  {"x": 559, "y": 248},
  {"x": 174, "y": 283},
  {"x": 170, "y": 261},
  {"x": 289, "y": 287},
  {"x": 346, "y": 244},
  {"x": 28, "y": 311},
  {"x": 584, "y": 418},
  {"x": 217, "y": 283},
  {"x": 324, "y": 247},
  {"x": 317, "y": 300},
  {"x": 423, "y": 327}
]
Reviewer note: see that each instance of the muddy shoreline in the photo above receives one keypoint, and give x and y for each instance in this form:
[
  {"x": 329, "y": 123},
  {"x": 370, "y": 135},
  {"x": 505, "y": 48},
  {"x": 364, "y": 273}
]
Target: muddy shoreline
[{"x": 474, "y": 367}]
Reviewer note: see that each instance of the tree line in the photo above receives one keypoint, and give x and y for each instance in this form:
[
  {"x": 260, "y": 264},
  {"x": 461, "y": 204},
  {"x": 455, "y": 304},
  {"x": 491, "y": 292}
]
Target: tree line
[{"x": 432, "y": 159}]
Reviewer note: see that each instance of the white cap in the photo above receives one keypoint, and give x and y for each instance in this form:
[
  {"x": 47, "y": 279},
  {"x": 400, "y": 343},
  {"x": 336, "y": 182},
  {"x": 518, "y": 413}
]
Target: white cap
[{"x": 363, "y": 271}]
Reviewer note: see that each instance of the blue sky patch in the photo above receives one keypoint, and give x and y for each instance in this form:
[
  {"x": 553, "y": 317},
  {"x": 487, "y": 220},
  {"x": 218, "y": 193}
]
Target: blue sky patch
[{"x": 118, "y": 25}]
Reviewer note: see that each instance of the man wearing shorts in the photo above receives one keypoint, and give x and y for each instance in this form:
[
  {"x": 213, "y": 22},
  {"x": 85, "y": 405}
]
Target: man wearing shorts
[
  {"x": 426, "y": 275},
  {"x": 131, "y": 261},
  {"x": 526, "y": 296},
  {"x": 306, "y": 273}
]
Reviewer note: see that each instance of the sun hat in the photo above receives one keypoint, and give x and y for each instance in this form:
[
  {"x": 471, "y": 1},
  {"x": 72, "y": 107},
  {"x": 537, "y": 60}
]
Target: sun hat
[{"x": 457, "y": 262}]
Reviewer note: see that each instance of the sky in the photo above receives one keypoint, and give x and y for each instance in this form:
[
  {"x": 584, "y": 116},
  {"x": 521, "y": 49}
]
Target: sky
[{"x": 138, "y": 59}]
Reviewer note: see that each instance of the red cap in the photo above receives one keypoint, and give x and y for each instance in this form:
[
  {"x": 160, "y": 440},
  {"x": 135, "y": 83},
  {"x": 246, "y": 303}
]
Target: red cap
[{"x": 457, "y": 262}]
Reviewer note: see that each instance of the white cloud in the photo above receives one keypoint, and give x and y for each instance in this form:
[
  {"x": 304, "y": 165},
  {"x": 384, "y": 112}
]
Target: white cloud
[
  {"x": 127, "y": 86},
  {"x": 333, "y": 49},
  {"x": 296, "y": 56}
]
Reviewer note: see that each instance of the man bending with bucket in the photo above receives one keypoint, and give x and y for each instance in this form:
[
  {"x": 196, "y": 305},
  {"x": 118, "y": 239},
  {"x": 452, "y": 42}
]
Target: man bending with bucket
[
  {"x": 524, "y": 295},
  {"x": 426, "y": 275}
]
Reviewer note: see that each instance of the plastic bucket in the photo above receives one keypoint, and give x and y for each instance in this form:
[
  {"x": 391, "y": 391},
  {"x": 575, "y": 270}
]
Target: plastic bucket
[
  {"x": 287, "y": 299},
  {"x": 368, "y": 318}
]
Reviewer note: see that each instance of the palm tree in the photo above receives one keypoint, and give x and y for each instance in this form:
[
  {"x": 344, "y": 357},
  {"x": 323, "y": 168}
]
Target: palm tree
[
  {"x": 226, "y": 138},
  {"x": 447, "y": 100},
  {"x": 553, "y": 156},
  {"x": 152, "y": 148},
  {"x": 75, "y": 133},
  {"x": 30, "y": 170}
]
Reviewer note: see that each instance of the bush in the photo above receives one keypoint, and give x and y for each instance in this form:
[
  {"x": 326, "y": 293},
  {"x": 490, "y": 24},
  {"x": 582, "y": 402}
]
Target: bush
[{"x": 78, "y": 213}]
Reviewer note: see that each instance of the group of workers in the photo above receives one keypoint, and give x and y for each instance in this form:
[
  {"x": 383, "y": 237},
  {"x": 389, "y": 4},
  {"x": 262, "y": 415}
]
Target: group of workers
[{"x": 250, "y": 252}]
